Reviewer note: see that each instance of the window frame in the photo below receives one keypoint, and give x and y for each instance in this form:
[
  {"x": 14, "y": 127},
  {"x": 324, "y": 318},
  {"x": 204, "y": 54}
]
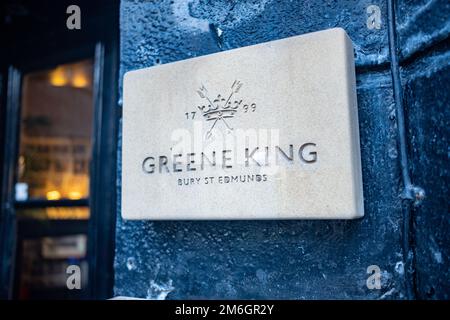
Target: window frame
[{"x": 103, "y": 164}]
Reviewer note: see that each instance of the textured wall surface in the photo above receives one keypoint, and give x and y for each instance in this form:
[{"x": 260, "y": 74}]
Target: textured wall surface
[
  {"x": 308, "y": 259},
  {"x": 426, "y": 82}
]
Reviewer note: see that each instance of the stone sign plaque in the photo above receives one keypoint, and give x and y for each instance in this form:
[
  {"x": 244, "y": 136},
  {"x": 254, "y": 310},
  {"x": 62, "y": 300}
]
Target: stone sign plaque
[{"x": 268, "y": 131}]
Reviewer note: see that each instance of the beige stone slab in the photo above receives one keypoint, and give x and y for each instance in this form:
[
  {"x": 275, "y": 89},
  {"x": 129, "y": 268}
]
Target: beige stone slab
[{"x": 268, "y": 131}]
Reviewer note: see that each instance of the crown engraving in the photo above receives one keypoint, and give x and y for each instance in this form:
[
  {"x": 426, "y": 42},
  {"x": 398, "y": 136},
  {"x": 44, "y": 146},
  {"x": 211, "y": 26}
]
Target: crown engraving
[{"x": 222, "y": 107}]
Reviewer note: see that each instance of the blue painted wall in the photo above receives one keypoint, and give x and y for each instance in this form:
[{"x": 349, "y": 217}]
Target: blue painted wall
[{"x": 308, "y": 259}]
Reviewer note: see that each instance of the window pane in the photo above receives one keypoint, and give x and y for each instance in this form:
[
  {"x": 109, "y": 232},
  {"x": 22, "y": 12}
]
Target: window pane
[
  {"x": 55, "y": 138},
  {"x": 44, "y": 263}
]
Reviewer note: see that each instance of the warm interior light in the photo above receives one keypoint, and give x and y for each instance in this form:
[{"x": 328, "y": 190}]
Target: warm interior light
[
  {"x": 79, "y": 80},
  {"x": 58, "y": 77},
  {"x": 74, "y": 195},
  {"x": 53, "y": 195},
  {"x": 67, "y": 213}
]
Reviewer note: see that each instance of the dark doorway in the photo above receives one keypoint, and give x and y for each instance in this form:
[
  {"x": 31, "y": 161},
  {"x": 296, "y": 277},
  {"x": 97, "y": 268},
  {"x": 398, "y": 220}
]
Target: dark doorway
[{"x": 59, "y": 105}]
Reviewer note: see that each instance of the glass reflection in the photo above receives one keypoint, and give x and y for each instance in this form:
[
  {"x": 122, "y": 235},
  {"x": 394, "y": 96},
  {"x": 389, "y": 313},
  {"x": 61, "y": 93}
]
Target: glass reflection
[{"x": 55, "y": 140}]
